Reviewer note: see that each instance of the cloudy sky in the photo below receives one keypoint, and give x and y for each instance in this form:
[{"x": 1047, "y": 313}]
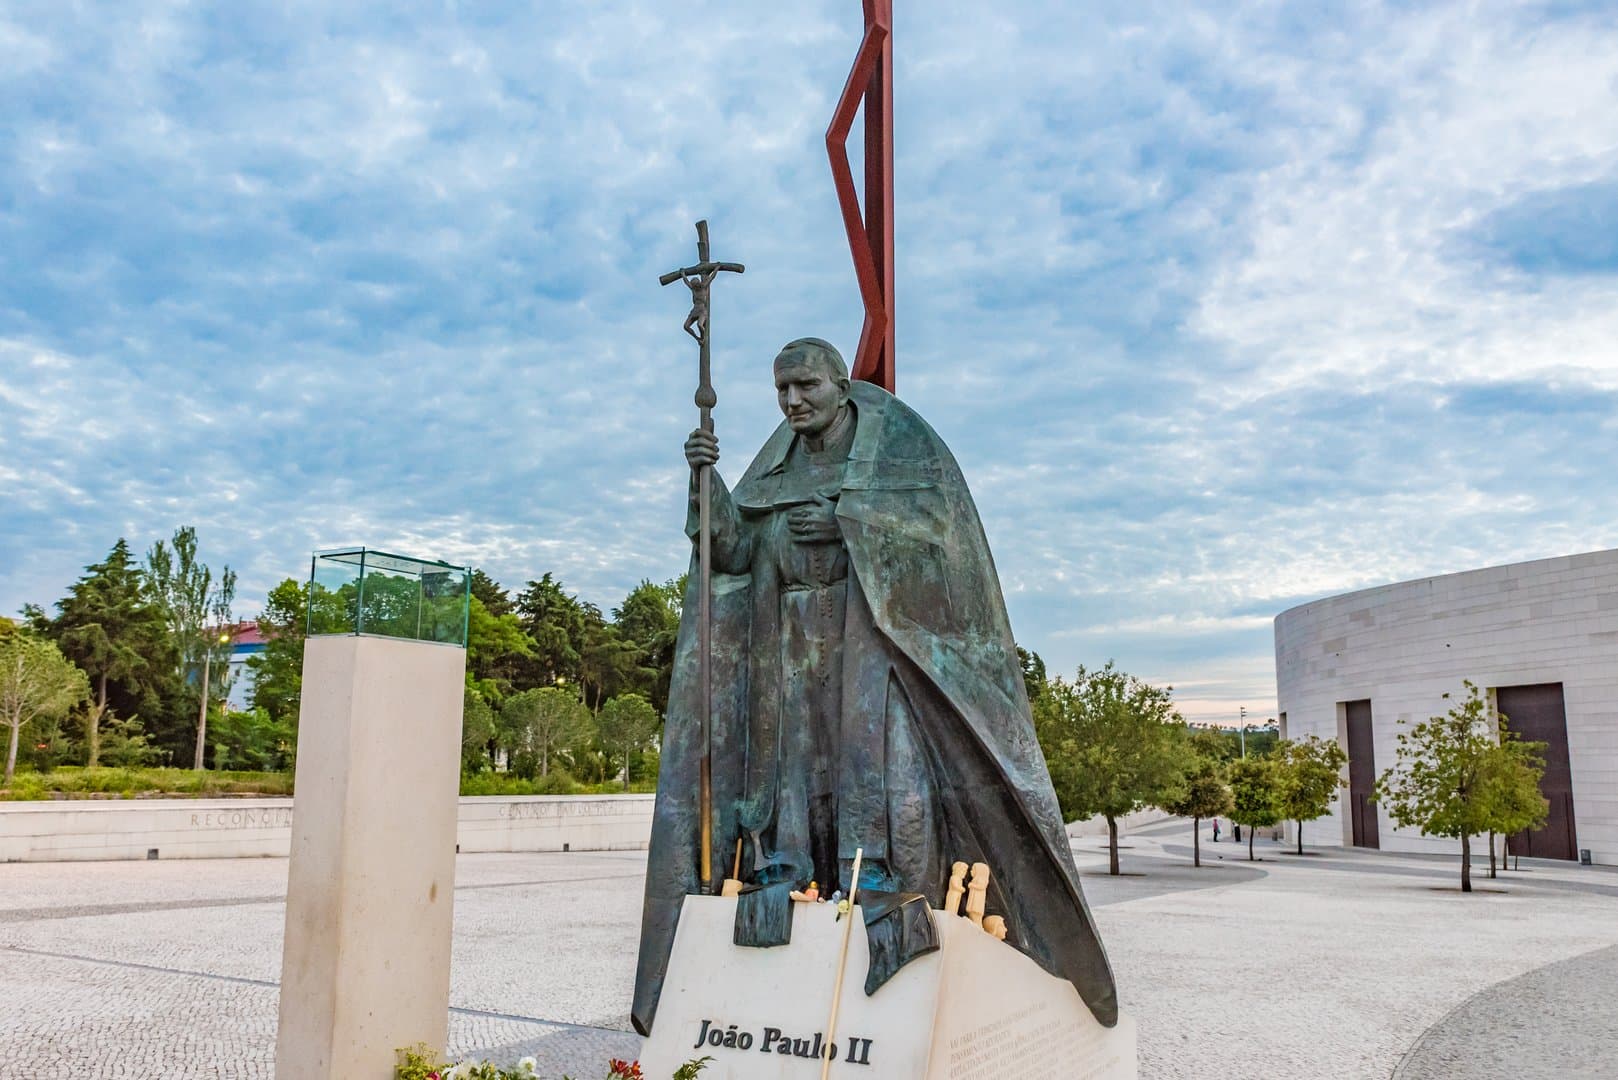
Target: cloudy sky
[{"x": 1223, "y": 307}]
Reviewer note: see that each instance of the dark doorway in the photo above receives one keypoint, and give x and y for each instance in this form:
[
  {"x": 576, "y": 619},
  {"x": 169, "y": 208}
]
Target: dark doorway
[
  {"x": 1537, "y": 714},
  {"x": 1361, "y": 775}
]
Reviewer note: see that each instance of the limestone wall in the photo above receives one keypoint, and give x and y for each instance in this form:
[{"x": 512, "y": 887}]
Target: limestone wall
[
  {"x": 1404, "y": 646},
  {"x": 67, "y": 830}
]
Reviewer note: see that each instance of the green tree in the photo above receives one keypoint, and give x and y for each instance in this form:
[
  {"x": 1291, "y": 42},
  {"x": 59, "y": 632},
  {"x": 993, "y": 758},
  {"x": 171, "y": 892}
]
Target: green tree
[
  {"x": 608, "y": 665},
  {"x": 278, "y": 670},
  {"x": 540, "y": 722},
  {"x": 1255, "y": 788},
  {"x": 1219, "y": 743},
  {"x": 108, "y": 626},
  {"x": 495, "y": 647},
  {"x": 1233, "y": 742},
  {"x": 649, "y": 620},
  {"x": 1442, "y": 778},
  {"x": 1259, "y": 741},
  {"x": 1113, "y": 744},
  {"x": 1034, "y": 676},
  {"x": 124, "y": 745},
  {"x": 37, "y": 685},
  {"x": 252, "y": 740},
  {"x": 493, "y": 596},
  {"x": 1510, "y": 781},
  {"x": 625, "y": 724},
  {"x": 1310, "y": 772},
  {"x": 197, "y": 609},
  {"x": 555, "y": 621},
  {"x": 477, "y": 731},
  {"x": 1204, "y": 795}
]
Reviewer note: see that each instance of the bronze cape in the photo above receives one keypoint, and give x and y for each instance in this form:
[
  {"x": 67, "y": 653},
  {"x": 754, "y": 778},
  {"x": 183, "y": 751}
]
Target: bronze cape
[{"x": 927, "y": 623}]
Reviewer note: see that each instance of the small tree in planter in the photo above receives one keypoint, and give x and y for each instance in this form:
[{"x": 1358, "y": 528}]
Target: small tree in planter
[
  {"x": 1453, "y": 779},
  {"x": 1205, "y": 795},
  {"x": 1309, "y": 773},
  {"x": 1511, "y": 775},
  {"x": 1255, "y": 794}
]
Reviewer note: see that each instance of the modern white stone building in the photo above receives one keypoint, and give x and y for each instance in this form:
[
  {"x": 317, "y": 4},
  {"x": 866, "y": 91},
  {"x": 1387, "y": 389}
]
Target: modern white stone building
[{"x": 1541, "y": 638}]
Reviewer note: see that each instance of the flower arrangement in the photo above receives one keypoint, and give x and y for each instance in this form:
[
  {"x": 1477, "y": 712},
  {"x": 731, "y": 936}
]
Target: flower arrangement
[{"x": 419, "y": 1063}]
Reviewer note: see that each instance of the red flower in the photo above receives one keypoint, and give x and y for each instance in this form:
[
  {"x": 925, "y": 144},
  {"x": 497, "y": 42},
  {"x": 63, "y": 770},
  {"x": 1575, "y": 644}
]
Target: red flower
[{"x": 624, "y": 1070}]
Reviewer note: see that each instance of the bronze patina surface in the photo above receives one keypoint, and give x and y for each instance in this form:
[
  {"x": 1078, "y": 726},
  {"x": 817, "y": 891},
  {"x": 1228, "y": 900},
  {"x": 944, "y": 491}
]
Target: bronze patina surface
[{"x": 865, "y": 686}]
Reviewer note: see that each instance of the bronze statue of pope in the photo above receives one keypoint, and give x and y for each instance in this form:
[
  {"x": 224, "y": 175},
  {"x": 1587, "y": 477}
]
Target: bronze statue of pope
[{"x": 866, "y": 695}]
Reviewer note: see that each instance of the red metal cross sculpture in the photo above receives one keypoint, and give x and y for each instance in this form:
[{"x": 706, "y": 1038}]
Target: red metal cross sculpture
[{"x": 871, "y": 239}]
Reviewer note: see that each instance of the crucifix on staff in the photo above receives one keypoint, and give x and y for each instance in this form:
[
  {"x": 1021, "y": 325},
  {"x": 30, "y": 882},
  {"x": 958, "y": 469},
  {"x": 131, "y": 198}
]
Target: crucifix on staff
[{"x": 699, "y": 279}]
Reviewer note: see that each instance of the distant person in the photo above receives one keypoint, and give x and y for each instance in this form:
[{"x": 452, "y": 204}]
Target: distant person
[
  {"x": 1236, "y": 831},
  {"x": 1216, "y": 830}
]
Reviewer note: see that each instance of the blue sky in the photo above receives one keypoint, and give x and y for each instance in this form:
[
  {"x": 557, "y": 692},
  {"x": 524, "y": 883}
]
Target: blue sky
[{"x": 1223, "y": 307}]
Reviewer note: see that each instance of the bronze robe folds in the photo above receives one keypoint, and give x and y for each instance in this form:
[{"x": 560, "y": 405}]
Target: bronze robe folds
[{"x": 867, "y": 695}]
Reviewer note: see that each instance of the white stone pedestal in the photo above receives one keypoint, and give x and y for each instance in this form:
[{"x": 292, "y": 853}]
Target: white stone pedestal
[
  {"x": 371, "y": 885},
  {"x": 975, "y": 1010}
]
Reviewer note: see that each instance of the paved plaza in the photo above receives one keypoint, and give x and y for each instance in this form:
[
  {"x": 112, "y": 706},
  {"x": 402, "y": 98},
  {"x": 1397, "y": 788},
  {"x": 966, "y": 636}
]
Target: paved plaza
[{"x": 1335, "y": 965}]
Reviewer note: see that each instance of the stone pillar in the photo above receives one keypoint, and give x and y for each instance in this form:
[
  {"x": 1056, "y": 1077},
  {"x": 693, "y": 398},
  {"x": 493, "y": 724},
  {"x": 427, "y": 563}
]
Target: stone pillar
[{"x": 371, "y": 884}]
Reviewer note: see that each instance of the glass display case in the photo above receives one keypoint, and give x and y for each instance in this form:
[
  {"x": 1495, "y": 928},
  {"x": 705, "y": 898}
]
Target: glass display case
[{"x": 362, "y": 591}]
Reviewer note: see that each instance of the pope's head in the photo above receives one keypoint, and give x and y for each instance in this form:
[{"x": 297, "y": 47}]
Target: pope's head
[{"x": 811, "y": 385}]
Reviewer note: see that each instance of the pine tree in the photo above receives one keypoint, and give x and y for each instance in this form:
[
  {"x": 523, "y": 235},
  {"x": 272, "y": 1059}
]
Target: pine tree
[
  {"x": 539, "y": 722},
  {"x": 108, "y": 626},
  {"x": 649, "y": 620},
  {"x": 625, "y": 724},
  {"x": 555, "y": 621}
]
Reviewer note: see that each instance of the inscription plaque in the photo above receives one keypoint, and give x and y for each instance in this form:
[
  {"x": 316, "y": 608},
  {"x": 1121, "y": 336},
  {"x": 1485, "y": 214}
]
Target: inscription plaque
[{"x": 975, "y": 1010}]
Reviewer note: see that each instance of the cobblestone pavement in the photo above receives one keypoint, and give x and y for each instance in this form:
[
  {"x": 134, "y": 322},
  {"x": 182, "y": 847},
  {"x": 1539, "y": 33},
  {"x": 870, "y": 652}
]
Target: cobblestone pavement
[
  {"x": 1554, "y": 1022},
  {"x": 1320, "y": 970},
  {"x": 1282, "y": 968}
]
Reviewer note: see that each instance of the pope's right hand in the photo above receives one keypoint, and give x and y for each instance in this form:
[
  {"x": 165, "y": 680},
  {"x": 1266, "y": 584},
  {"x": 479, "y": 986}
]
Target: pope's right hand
[{"x": 702, "y": 448}]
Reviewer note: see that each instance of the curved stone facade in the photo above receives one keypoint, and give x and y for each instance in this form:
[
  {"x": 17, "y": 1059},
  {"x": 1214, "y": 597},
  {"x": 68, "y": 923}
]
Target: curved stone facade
[{"x": 1540, "y": 637}]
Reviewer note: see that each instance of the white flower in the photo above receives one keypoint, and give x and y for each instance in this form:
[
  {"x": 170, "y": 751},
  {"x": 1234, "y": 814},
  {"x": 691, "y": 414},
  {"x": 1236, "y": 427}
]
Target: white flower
[
  {"x": 529, "y": 1065},
  {"x": 458, "y": 1072}
]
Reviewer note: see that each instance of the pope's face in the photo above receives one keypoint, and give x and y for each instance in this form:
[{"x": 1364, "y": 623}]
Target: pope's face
[{"x": 810, "y": 394}]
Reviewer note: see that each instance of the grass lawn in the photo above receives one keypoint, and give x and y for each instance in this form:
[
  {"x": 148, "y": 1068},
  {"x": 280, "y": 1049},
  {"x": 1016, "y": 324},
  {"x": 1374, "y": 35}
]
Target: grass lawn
[{"x": 76, "y": 782}]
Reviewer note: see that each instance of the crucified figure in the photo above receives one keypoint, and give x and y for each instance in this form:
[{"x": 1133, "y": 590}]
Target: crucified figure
[{"x": 698, "y": 284}]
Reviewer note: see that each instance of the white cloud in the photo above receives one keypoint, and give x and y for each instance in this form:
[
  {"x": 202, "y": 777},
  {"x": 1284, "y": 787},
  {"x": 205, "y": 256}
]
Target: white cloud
[
  {"x": 1196, "y": 293},
  {"x": 1353, "y": 268}
]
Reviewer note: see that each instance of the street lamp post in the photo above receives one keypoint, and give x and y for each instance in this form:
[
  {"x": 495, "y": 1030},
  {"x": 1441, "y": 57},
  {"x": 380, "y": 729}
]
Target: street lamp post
[
  {"x": 202, "y": 710},
  {"x": 1244, "y": 731}
]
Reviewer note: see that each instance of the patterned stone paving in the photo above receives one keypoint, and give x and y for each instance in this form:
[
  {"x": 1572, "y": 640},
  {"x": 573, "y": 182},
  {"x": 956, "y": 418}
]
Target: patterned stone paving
[{"x": 1341, "y": 965}]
